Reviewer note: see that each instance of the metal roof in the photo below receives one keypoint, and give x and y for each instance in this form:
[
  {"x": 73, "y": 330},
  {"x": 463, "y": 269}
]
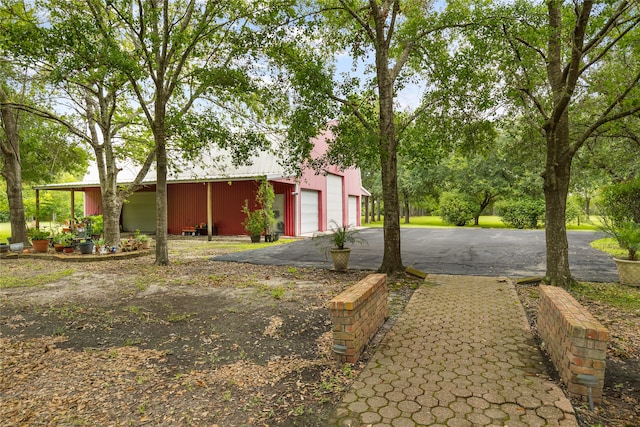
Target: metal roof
[{"x": 212, "y": 165}]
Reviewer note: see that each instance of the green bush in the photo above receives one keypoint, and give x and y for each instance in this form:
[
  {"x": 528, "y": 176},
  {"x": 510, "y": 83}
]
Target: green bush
[
  {"x": 620, "y": 208},
  {"x": 621, "y": 202},
  {"x": 455, "y": 208},
  {"x": 521, "y": 213}
]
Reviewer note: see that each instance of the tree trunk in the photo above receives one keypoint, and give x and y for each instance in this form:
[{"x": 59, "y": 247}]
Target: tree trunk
[
  {"x": 556, "y": 188},
  {"x": 391, "y": 259},
  {"x": 159, "y": 133},
  {"x": 366, "y": 210},
  {"x": 373, "y": 208},
  {"x": 12, "y": 172},
  {"x": 111, "y": 201},
  {"x": 406, "y": 206},
  {"x": 558, "y": 148},
  {"x": 587, "y": 207}
]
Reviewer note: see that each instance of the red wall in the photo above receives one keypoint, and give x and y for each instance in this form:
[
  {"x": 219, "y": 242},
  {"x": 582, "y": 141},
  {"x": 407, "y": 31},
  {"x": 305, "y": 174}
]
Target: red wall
[
  {"x": 92, "y": 201},
  {"x": 187, "y": 205}
]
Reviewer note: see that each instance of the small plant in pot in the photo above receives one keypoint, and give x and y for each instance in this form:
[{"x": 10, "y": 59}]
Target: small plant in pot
[
  {"x": 86, "y": 246},
  {"x": 142, "y": 239},
  {"x": 336, "y": 242},
  {"x": 65, "y": 240},
  {"x": 39, "y": 240},
  {"x": 620, "y": 209}
]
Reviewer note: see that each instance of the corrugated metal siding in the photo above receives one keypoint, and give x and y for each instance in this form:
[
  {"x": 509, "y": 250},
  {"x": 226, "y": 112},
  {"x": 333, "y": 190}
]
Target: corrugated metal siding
[
  {"x": 186, "y": 206},
  {"x": 227, "y": 201},
  {"x": 92, "y": 201}
]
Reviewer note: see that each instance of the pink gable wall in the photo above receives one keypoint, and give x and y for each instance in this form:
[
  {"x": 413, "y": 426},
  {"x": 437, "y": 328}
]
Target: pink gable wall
[{"x": 351, "y": 182}]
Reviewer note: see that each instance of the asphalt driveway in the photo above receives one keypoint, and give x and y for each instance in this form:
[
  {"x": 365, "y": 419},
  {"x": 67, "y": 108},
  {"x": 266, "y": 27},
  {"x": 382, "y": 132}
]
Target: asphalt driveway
[{"x": 463, "y": 251}]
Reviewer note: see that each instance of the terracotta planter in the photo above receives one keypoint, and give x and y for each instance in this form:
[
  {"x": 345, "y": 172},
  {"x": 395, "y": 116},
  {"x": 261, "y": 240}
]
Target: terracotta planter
[
  {"x": 40, "y": 246},
  {"x": 58, "y": 247},
  {"x": 68, "y": 249},
  {"x": 340, "y": 258},
  {"x": 629, "y": 271}
]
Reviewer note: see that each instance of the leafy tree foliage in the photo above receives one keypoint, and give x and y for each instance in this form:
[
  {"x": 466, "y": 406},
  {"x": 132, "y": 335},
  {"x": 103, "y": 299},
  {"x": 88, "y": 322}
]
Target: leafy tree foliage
[
  {"x": 196, "y": 72},
  {"x": 398, "y": 43},
  {"x": 573, "y": 69},
  {"x": 32, "y": 151}
]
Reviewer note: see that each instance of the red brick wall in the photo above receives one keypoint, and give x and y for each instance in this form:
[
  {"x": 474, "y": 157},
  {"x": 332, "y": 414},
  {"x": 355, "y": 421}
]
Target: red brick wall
[
  {"x": 358, "y": 312},
  {"x": 574, "y": 339}
]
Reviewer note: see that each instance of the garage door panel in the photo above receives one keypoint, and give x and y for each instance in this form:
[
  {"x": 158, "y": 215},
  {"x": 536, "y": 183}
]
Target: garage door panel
[
  {"x": 308, "y": 211},
  {"x": 353, "y": 211},
  {"x": 139, "y": 212},
  {"x": 334, "y": 200}
]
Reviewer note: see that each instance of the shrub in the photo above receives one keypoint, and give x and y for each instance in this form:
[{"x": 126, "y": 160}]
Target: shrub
[
  {"x": 620, "y": 208},
  {"x": 621, "y": 202},
  {"x": 455, "y": 208},
  {"x": 574, "y": 211},
  {"x": 521, "y": 213}
]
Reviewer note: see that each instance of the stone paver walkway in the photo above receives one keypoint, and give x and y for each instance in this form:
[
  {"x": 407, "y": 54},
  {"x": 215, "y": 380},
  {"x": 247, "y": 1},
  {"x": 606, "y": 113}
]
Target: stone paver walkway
[{"x": 461, "y": 354}]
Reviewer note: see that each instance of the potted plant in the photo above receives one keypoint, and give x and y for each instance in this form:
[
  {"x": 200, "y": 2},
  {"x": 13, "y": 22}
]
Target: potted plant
[
  {"x": 254, "y": 223},
  {"x": 620, "y": 209},
  {"x": 100, "y": 246},
  {"x": 261, "y": 219},
  {"x": 59, "y": 241},
  {"x": 336, "y": 241},
  {"x": 97, "y": 225},
  {"x": 86, "y": 246},
  {"x": 39, "y": 240},
  {"x": 142, "y": 239},
  {"x": 66, "y": 240}
]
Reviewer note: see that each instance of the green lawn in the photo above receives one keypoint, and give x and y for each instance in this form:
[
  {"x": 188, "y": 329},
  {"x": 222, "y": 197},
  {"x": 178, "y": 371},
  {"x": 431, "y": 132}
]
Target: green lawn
[
  {"x": 416, "y": 221},
  {"x": 5, "y": 231},
  {"x": 485, "y": 222}
]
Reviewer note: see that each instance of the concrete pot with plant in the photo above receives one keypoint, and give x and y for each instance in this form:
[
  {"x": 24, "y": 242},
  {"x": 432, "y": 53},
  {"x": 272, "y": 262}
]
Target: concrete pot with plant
[{"x": 336, "y": 242}]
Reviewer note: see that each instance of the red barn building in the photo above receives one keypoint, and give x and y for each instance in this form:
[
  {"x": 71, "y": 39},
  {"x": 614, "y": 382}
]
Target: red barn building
[{"x": 216, "y": 191}]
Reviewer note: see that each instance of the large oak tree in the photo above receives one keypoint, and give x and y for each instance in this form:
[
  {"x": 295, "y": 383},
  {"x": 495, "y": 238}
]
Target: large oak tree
[{"x": 573, "y": 68}]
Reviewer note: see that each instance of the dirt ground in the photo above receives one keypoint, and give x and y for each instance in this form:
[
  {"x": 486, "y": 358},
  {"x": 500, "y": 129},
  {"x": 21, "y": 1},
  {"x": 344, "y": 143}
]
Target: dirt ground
[{"x": 124, "y": 342}]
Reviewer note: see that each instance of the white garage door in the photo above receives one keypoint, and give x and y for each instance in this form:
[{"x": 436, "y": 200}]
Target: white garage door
[
  {"x": 139, "y": 212},
  {"x": 309, "y": 211},
  {"x": 353, "y": 211},
  {"x": 334, "y": 200}
]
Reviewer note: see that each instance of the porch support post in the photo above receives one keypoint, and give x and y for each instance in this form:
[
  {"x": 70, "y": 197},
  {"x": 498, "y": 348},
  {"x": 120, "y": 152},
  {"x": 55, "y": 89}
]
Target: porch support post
[
  {"x": 72, "y": 220},
  {"x": 37, "y": 209},
  {"x": 209, "y": 213}
]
